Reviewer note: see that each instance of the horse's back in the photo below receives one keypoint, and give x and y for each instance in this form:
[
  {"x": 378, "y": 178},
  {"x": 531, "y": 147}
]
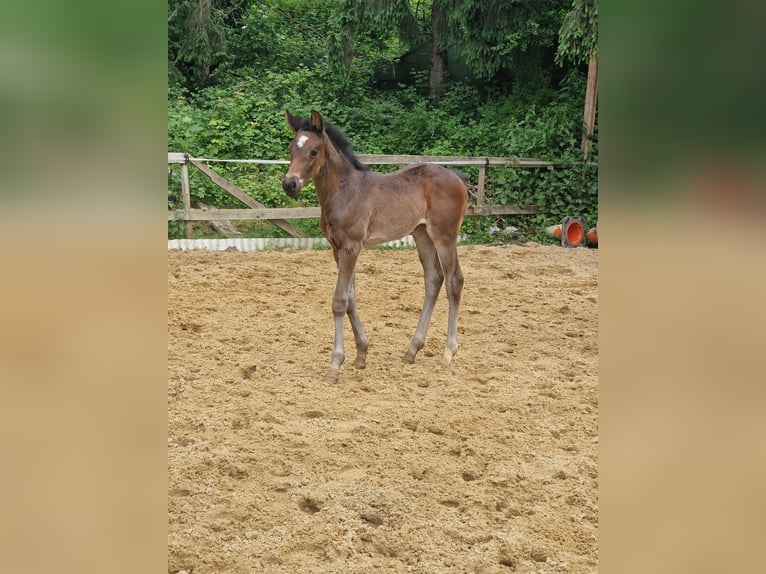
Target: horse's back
[
  {"x": 445, "y": 195},
  {"x": 442, "y": 184},
  {"x": 434, "y": 178},
  {"x": 431, "y": 170}
]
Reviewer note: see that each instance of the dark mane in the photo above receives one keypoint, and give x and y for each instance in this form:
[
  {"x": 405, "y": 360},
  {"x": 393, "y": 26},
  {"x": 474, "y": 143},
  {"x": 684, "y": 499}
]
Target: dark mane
[{"x": 338, "y": 139}]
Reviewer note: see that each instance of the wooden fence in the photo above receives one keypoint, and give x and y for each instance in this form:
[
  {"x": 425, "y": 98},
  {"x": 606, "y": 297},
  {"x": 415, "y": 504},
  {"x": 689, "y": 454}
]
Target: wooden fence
[{"x": 280, "y": 215}]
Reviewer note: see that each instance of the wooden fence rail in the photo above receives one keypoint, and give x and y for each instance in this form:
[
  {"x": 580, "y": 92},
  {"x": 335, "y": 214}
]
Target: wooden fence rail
[{"x": 279, "y": 216}]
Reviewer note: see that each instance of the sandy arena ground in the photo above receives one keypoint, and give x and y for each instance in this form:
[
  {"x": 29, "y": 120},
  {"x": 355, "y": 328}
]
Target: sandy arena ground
[{"x": 488, "y": 465}]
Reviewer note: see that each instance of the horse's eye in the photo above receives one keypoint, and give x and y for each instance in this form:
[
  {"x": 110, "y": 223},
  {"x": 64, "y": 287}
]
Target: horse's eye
[{"x": 314, "y": 152}]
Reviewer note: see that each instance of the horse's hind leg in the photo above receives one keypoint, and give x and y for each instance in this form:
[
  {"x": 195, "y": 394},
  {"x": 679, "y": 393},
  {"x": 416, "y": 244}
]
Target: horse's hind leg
[
  {"x": 434, "y": 278},
  {"x": 453, "y": 281}
]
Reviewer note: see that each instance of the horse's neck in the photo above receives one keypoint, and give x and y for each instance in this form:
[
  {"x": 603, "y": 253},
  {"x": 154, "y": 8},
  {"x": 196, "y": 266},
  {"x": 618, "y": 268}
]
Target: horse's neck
[{"x": 334, "y": 176}]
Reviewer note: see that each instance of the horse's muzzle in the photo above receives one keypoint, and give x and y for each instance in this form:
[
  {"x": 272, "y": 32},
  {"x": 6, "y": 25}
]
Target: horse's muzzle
[{"x": 292, "y": 186}]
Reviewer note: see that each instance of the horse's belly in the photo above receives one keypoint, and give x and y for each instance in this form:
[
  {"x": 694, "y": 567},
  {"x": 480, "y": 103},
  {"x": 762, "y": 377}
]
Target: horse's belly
[{"x": 395, "y": 230}]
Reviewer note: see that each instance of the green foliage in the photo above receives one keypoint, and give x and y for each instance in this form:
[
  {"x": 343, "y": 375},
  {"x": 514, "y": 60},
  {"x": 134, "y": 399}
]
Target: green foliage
[
  {"x": 198, "y": 37},
  {"x": 497, "y": 34},
  {"x": 278, "y": 60},
  {"x": 490, "y": 36},
  {"x": 364, "y": 34},
  {"x": 578, "y": 36},
  {"x": 175, "y": 226},
  {"x": 282, "y": 34}
]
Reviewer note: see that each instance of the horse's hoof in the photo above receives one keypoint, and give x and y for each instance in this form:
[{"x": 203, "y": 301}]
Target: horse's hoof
[
  {"x": 449, "y": 354},
  {"x": 360, "y": 363},
  {"x": 408, "y": 358},
  {"x": 332, "y": 377}
]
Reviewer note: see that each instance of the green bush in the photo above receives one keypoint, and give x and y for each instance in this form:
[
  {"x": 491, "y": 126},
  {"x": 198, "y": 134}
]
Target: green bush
[{"x": 243, "y": 118}]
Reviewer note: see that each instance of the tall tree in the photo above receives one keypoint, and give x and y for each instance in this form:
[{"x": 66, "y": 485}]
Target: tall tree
[
  {"x": 496, "y": 34},
  {"x": 197, "y": 34},
  {"x": 439, "y": 38},
  {"x": 578, "y": 42},
  {"x": 373, "y": 17},
  {"x": 492, "y": 34}
]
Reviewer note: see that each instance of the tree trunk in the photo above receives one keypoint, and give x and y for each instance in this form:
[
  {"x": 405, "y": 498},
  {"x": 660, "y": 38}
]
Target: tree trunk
[
  {"x": 591, "y": 97},
  {"x": 438, "y": 54},
  {"x": 438, "y": 68}
]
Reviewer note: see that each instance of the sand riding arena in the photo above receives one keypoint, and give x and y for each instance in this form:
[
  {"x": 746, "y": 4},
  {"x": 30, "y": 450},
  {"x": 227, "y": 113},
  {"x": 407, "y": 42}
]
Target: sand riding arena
[{"x": 487, "y": 465}]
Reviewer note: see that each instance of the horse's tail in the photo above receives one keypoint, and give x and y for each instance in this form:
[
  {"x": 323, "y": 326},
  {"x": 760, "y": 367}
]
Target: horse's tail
[{"x": 461, "y": 174}]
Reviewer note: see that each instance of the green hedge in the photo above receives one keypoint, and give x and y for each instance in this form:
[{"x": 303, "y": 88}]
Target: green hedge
[{"x": 245, "y": 120}]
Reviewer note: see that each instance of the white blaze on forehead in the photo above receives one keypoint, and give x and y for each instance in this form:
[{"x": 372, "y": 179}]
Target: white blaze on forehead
[{"x": 302, "y": 140}]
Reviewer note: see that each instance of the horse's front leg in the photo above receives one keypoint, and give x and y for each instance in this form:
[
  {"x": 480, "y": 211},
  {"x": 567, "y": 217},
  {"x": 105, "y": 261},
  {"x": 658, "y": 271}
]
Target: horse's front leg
[
  {"x": 346, "y": 257},
  {"x": 356, "y": 325}
]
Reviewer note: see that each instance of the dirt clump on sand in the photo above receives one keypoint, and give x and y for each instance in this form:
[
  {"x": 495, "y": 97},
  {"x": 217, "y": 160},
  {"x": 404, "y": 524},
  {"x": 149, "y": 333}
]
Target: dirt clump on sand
[{"x": 487, "y": 465}]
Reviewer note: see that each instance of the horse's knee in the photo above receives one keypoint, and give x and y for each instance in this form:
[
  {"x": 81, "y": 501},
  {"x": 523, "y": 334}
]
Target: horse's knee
[
  {"x": 439, "y": 273},
  {"x": 434, "y": 284},
  {"x": 455, "y": 285},
  {"x": 457, "y": 280},
  {"x": 339, "y": 304}
]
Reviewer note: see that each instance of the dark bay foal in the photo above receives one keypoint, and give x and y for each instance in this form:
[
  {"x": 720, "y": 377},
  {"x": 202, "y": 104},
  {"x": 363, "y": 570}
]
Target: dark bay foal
[{"x": 360, "y": 208}]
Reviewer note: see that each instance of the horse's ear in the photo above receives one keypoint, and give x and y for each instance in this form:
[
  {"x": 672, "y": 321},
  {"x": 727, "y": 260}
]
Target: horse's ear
[
  {"x": 316, "y": 121},
  {"x": 292, "y": 121}
]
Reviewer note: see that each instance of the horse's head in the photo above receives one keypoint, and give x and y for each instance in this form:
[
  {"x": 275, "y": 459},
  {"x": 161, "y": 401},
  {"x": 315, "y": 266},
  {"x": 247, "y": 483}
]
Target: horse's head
[{"x": 306, "y": 152}]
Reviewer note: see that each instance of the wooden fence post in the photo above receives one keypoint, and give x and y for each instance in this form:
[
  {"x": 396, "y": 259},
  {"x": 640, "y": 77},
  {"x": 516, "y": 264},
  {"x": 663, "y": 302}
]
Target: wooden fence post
[
  {"x": 591, "y": 97},
  {"x": 186, "y": 198},
  {"x": 480, "y": 187}
]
